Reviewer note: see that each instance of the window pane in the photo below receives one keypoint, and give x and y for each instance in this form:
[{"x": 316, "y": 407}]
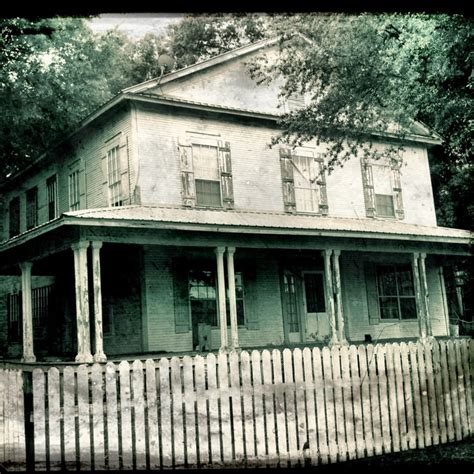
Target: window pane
[
  {"x": 384, "y": 205},
  {"x": 205, "y": 162},
  {"x": 382, "y": 179},
  {"x": 386, "y": 279},
  {"x": 314, "y": 291},
  {"x": 405, "y": 281},
  {"x": 408, "y": 308},
  {"x": 389, "y": 308},
  {"x": 208, "y": 193}
]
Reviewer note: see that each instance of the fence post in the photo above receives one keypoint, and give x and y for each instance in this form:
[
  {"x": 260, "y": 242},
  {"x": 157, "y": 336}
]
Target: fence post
[{"x": 28, "y": 419}]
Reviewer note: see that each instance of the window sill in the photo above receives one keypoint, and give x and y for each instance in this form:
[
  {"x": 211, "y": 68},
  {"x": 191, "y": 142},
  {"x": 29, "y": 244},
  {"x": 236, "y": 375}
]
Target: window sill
[{"x": 414, "y": 320}]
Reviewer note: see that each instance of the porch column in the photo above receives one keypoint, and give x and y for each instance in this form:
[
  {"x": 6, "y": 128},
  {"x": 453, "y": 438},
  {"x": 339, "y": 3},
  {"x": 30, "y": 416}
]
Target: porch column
[
  {"x": 99, "y": 355},
  {"x": 232, "y": 299},
  {"x": 27, "y": 309},
  {"x": 82, "y": 302},
  {"x": 419, "y": 304},
  {"x": 221, "y": 296},
  {"x": 330, "y": 294},
  {"x": 425, "y": 294},
  {"x": 337, "y": 291}
]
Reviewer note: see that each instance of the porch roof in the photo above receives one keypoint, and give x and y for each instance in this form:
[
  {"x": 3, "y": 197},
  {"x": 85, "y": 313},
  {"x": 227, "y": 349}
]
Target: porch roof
[{"x": 265, "y": 222}]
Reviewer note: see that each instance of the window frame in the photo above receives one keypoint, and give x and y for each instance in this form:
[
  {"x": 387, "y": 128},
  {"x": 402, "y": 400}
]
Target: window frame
[
  {"x": 113, "y": 157},
  {"x": 32, "y": 208},
  {"x": 52, "y": 196},
  {"x": 14, "y": 306},
  {"x": 315, "y": 186},
  {"x": 395, "y": 267},
  {"x": 74, "y": 190},
  {"x": 373, "y": 164},
  {"x": 320, "y": 272}
]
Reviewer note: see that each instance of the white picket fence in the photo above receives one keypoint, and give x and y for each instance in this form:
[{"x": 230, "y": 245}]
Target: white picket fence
[
  {"x": 12, "y": 420},
  {"x": 289, "y": 407}
]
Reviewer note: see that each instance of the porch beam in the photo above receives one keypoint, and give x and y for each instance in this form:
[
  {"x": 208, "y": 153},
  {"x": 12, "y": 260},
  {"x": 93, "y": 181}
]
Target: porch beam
[
  {"x": 232, "y": 299},
  {"x": 82, "y": 302},
  {"x": 27, "y": 310},
  {"x": 99, "y": 355},
  {"x": 338, "y": 297},
  {"x": 219, "y": 251},
  {"x": 330, "y": 295},
  {"x": 418, "y": 299},
  {"x": 425, "y": 294}
]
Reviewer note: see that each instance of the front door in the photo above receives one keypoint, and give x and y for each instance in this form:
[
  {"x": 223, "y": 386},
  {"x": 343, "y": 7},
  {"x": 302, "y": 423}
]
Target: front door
[
  {"x": 317, "y": 322},
  {"x": 291, "y": 308}
]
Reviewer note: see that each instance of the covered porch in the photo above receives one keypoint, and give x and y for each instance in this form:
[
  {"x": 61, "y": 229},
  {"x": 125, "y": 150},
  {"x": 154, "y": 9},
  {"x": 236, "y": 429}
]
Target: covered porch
[{"x": 154, "y": 287}]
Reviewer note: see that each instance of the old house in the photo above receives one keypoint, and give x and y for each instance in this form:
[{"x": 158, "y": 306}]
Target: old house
[{"x": 166, "y": 223}]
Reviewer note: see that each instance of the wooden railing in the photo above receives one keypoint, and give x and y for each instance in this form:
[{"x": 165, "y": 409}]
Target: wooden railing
[{"x": 266, "y": 408}]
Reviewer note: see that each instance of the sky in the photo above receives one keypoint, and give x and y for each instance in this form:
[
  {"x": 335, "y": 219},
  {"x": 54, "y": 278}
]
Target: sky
[{"x": 135, "y": 25}]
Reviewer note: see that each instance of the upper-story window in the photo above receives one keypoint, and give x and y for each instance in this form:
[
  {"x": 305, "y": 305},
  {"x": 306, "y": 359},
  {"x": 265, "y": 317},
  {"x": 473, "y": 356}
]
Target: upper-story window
[
  {"x": 206, "y": 173},
  {"x": 14, "y": 217},
  {"x": 295, "y": 101},
  {"x": 114, "y": 177},
  {"x": 382, "y": 189},
  {"x": 31, "y": 208},
  {"x": 52, "y": 188},
  {"x": 74, "y": 191},
  {"x": 303, "y": 180}
]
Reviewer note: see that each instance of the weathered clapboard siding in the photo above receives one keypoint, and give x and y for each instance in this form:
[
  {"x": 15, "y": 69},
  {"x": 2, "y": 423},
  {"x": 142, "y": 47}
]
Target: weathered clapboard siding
[{"x": 245, "y": 409}]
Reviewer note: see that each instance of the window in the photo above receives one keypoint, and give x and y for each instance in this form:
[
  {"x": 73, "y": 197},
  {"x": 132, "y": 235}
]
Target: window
[
  {"x": 203, "y": 297},
  {"x": 52, "y": 186},
  {"x": 314, "y": 293},
  {"x": 74, "y": 192},
  {"x": 14, "y": 217},
  {"x": 14, "y": 317},
  {"x": 296, "y": 101},
  {"x": 289, "y": 289},
  {"x": 32, "y": 208},
  {"x": 207, "y": 175},
  {"x": 396, "y": 293},
  {"x": 306, "y": 171},
  {"x": 114, "y": 177},
  {"x": 384, "y": 205}
]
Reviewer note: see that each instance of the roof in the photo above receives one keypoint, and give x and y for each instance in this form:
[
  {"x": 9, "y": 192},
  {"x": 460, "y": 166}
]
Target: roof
[{"x": 271, "y": 222}]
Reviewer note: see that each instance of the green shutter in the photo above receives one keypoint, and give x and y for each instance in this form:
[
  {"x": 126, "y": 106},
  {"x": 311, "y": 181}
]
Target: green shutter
[
  {"x": 181, "y": 295},
  {"x": 124, "y": 170},
  {"x": 188, "y": 192},
  {"x": 250, "y": 295},
  {"x": 397, "y": 191},
  {"x": 287, "y": 179},
  {"x": 225, "y": 168},
  {"x": 368, "y": 185},
  {"x": 372, "y": 295},
  {"x": 323, "y": 197}
]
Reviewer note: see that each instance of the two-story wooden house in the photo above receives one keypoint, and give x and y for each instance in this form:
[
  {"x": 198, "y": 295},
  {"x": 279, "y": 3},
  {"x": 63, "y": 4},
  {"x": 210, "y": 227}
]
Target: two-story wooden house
[{"x": 167, "y": 223}]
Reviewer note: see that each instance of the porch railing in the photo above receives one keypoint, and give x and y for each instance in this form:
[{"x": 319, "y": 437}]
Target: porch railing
[{"x": 271, "y": 407}]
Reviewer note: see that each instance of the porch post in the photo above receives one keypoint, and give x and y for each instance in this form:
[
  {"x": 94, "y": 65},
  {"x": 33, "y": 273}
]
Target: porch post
[
  {"x": 221, "y": 296},
  {"x": 82, "y": 302},
  {"x": 27, "y": 309},
  {"x": 419, "y": 305},
  {"x": 99, "y": 355},
  {"x": 232, "y": 299},
  {"x": 337, "y": 290},
  {"x": 330, "y": 294},
  {"x": 425, "y": 294}
]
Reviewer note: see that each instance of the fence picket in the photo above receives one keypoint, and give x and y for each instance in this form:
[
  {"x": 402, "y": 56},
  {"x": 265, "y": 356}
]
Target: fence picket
[
  {"x": 10, "y": 419},
  {"x": 20, "y": 434},
  {"x": 113, "y": 460},
  {"x": 447, "y": 391},
  {"x": 83, "y": 408},
  {"x": 453, "y": 383},
  {"x": 438, "y": 386},
  {"x": 417, "y": 406},
  {"x": 165, "y": 413},
  {"x": 425, "y": 409},
  {"x": 69, "y": 418},
  {"x": 261, "y": 457},
  {"x": 302, "y": 435},
  {"x": 189, "y": 398},
  {"x": 290, "y": 412},
  {"x": 409, "y": 396},
  {"x": 323, "y": 447},
  {"x": 98, "y": 417},
  {"x": 269, "y": 407},
  {"x": 383, "y": 397},
  {"x": 467, "y": 379},
  {"x": 310, "y": 405},
  {"x": 430, "y": 380},
  {"x": 3, "y": 417},
  {"x": 330, "y": 408},
  {"x": 214, "y": 424},
  {"x": 461, "y": 390},
  {"x": 338, "y": 403},
  {"x": 177, "y": 403},
  {"x": 201, "y": 410},
  {"x": 247, "y": 407},
  {"x": 392, "y": 389},
  {"x": 224, "y": 393},
  {"x": 282, "y": 439},
  {"x": 236, "y": 401},
  {"x": 374, "y": 398},
  {"x": 357, "y": 406},
  {"x": 54, "y": 430},
  {"x": 126, "y": 415},
  {"x": 365, "y": 391},
  {"x": 152, "y": 415},
  {"x": 347, "y": 399},
  {"x": 138, "y": 406}
]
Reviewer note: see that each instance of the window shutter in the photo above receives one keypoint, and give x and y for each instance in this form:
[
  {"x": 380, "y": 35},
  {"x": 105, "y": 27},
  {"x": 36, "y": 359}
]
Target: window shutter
[
  {"x": 124, "y": 171},
  {"x": 187, "y": 173},
  {"x": 323, "y": 197},
  {"x": 368, "y": 185},
  {"x": 288, "y": 183},
  {"x": 105, "y": 184},
  {"x": 250, "y": 295},
  {"x": 397, "y": 191},
  {"x": 181, "y": 295},
  {"x": 82, "y": 184},
  {"x": 372, "y": 295},
  {"x": 225, "y": 167}
]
